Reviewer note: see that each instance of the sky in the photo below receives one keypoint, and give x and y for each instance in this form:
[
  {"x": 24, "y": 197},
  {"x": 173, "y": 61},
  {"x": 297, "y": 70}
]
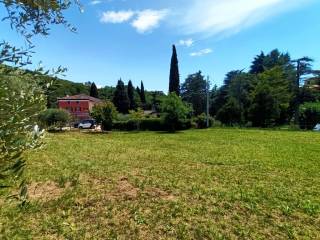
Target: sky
[{"x": 132, "y": 39}]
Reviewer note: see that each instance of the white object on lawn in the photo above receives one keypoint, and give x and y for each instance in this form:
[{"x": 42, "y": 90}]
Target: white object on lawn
[{"x": 317, "y": 127}]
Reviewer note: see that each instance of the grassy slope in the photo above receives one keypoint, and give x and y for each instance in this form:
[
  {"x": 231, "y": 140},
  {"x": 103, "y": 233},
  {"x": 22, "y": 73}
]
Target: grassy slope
[{"x": 214, "y": 184}]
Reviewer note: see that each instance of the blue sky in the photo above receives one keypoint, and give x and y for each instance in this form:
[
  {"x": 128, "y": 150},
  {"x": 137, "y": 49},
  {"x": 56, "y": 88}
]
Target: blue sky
[{"x": 132, "y": 39}]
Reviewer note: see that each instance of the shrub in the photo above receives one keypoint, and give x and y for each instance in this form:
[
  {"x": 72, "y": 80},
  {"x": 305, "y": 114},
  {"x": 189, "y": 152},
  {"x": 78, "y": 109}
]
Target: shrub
[
  {"x": 104, "y": 114},
  {"x": 201, "y": 121},
  {"x": 52, "y": 118},
  {"x": 309, "y": 115},
  {"x": 174, "y": 112},
  {"x": 150, "y": 124}
]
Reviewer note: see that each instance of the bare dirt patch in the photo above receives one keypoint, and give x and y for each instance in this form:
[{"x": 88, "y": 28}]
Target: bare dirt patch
[
  {"x": 126, "y": 190},
  {"x": 159, "y": 193},
  {"x": 45, "y": 191}
]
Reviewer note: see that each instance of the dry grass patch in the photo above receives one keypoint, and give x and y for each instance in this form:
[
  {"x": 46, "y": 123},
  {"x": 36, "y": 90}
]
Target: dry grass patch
[{"x": 45, "y": 191}]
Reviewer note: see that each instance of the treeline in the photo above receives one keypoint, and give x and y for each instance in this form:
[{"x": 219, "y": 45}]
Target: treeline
[
  {"x": 125, "y": 97},
  {"x": 269, "y": 94}
]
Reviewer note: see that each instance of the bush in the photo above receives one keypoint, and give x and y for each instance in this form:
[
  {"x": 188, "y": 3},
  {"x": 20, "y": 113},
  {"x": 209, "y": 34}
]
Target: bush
[
  {"x": 174, "y": 112},
  {"x": 130, "y": 125},
  {"x": 54, "y": 118},
  {"x": 201, "y": 121},
  {"x": 104, "y": 114},
  {"x": 309, "y": 115},
  {"x": 150, "y": 124}
]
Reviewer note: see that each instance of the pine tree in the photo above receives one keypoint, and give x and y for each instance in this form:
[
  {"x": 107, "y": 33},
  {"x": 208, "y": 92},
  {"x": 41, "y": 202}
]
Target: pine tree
[
  {"x": 142, "y": 94},
  {"x": 132, "y": 103},
  {"x": 120, "y": 98},
  {"x": 174, "y": 79},
  {"x": 94, "y": 90},
  {"x": 258, "y": 64}
]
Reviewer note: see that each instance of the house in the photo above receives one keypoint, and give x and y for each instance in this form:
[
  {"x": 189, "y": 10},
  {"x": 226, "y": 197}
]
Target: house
[{"x": 79, "y": 106}]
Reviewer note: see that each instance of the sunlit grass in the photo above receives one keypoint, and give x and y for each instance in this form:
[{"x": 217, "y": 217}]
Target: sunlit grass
[{"x": 208, "y": 184}]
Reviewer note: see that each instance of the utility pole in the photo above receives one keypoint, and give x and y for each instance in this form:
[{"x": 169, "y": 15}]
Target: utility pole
[{"x": 208, "y": 107}]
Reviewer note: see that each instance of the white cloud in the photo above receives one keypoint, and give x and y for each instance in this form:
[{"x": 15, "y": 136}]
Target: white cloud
[
  {"x": 148, "y": 19},
  {"x": 212, "y": 17},
  {"x": 201, "y": 52},
  {"x": 116, "y": 17},
  {"x": 143, "y": 21},
  {"x": 188, "y": 42},
  {"x": 95, "y": 2}
]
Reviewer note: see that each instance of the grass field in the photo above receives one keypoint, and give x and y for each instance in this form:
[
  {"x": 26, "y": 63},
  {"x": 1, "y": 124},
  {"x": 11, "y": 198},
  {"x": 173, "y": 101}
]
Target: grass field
[{"x": 198, "y": 184}]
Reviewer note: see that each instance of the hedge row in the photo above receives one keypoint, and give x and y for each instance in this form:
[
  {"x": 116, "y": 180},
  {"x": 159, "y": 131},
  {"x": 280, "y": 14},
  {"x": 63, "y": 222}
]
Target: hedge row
[{"x": 151, "y": 124}]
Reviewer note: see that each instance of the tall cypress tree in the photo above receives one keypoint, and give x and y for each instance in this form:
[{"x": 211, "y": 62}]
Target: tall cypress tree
[
  {"x": 94, "y": 90},
  {"x": 142, "y": 94},
  {"x": 132, "y": 102},
  {"x": 120, "y": 98},
  {"x": 174, "y": 79}
]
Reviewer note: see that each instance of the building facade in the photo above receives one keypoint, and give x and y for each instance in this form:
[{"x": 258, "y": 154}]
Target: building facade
[{"x": 79, "y": 106}]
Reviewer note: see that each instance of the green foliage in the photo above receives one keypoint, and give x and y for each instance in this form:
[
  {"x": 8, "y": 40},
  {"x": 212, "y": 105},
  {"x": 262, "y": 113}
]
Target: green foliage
[
  {"x": 145, "y": 124},
  {"x": 193, "y": 91},
  {"x": 142, "y": 94},
  {"x": 230, "y": 114},
  {"x": 201, "y": 121},
  {"x": 265, "y": 110},
  {"x": 271, "y": 99},
  {"x": 120, "y": 98},
  {"x": 62, "y": 88},
  {"x": 309, "y": 115},
  {"x": 54, "y": 118},
  {"x": 131, "y": 91},
  {"x": 94, "y": 90},
  {"x": 174, "y": 111},
  {"x": 174, "y": 79},
  {"x": 104, "y": 114},
  {"x": 21, "y": 100}
]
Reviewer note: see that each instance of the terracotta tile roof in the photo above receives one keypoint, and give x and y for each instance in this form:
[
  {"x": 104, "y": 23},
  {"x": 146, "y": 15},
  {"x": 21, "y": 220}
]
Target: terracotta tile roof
[{"x": 81, "y": 97}]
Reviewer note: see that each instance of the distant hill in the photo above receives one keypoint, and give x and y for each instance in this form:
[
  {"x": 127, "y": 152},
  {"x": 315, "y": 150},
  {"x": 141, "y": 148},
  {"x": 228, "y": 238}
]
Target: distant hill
[{"x": 61, "y": 88}]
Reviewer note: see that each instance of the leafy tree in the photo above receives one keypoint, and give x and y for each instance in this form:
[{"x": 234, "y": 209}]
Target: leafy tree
[
  {"x": 106, "y": 93},
  {"x": 174, "y": 79},
  {"x": 21, "y": 100},
  {"x": 219, "y": 97},
  {"x": 142, "y": 94},
  {"x": 104, "y": 114},
  {"x": 230, "y": 114},
  {"x": 52, "y": 118},
  {"x": 193, "y": 91},
  {"x": 131, "y": 96},
  {"x": 174, "y": 111},
  {"x": 21, "y": 103},
  {"x": 271, "y": 98},
  {"x": 303, "y": 68},
  {"x": 265, "y": 110},
  {"x": 120, "y": 98},
  {"x": 239, "y": 89},
  {"x": 30, "y": 18},
  {"x": 94, "y": 90}
]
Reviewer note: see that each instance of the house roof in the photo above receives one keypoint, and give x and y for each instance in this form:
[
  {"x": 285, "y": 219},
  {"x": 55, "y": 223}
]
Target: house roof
[{"x": 81, "y": 97}]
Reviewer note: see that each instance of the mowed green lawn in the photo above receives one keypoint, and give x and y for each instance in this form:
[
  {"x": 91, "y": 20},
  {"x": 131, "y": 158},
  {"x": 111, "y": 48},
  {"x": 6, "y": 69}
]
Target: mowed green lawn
[{"x": 197, "y": 184}]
